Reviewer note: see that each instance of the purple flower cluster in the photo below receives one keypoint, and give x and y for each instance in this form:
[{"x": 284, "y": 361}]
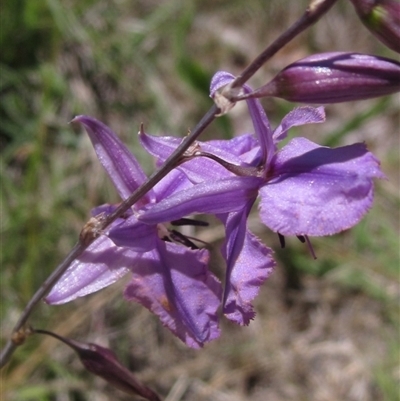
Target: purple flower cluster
[{"x": 302, "y": 189}]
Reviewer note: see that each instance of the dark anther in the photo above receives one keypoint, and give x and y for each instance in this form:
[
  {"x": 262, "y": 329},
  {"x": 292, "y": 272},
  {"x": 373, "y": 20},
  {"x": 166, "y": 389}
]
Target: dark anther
[
  {"x": 189, "y": 222},
  {"x": 281, "y": 240},
  {"x": 166, "y": 239},
  {"x": 179, "y": 237},
  {"x": 301, "y": 238}
]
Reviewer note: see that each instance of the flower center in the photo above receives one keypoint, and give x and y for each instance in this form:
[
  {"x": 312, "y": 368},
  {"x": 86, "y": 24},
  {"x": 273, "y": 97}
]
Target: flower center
[
  {"x": 172, "y": 235},
  {"x": 303, "y": 239}
]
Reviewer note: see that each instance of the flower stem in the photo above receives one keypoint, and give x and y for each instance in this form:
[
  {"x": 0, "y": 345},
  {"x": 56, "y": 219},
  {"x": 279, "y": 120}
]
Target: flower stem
[
  {"x": 172, "y": 161},
  {"x": 315, "y": 10}
]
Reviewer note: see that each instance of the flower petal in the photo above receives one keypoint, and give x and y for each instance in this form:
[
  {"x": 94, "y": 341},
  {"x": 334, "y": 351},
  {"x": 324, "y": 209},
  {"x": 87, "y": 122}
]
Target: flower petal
[
  {"x": 175, "y": 181},
  {"x": 120, "y": 164},
  {"x": 315, "y": 190},
  {"x": 238, "y": 146},
  {"x": 220, "y": 196},
  {"x": 101, "y": 265},
  {"x": 198, "y": 169},
  {"x": 173, "y": 282},
  {"x": 299, "y": 116},
  {"x": 134, "y": 235},
  {"x": 219, "y": 80},
  {"x": 160, "y": 147},
  {"x": 249, "y": 264},
  {"x": 260, "y": 120},
  {"x": 262, "y": 128}
]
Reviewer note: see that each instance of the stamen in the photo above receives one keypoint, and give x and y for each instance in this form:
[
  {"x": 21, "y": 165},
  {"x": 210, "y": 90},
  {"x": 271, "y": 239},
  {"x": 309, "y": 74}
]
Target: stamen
[
  {"x": 281, "y": 240},
  {"x": 301, "y": 238},
  {"x": 182, "y": 239},
  {"x": 189, "y": 222},
  {"x": 198, "y": 240},
  {"x": 310, "y": 247},
  {"x": 141, "y": 129}
]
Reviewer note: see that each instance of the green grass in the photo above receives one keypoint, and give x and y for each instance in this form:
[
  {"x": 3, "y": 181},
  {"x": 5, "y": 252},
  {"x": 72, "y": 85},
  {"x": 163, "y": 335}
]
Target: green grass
[{"x": 129, "y": 62}]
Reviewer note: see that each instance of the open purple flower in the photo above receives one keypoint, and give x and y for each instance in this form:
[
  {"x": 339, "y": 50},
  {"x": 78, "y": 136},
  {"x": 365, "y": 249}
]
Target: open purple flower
[
  {"x": 305, "y": 189},
  {"x": 248, "y": 262},
  {"x": 170, "y": 280}
]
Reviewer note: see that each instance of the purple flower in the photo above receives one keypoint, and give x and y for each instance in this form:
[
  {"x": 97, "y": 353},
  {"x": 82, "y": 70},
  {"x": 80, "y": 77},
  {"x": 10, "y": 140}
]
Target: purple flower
[
  {"x": 305, "y": 190},
  {"x": 170, "y": 280},
  {"x": 248, "y": 262}
]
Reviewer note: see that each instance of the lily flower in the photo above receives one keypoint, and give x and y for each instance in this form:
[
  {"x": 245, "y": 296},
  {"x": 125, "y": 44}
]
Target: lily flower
[
  {"x": 248, "y": 261},
  {"x": 169, "y": 279},
  {"x": 304, "y": 189}
]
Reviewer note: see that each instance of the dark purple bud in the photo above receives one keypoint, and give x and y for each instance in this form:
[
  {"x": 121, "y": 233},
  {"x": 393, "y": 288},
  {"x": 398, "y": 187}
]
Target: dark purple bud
[
  {"x": 382, "y": 18},
  {"x": 333, "y": 78},
  {"x": 103, "y": 362}
]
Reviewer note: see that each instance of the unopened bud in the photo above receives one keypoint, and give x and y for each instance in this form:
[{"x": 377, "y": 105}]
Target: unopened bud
[
  {"x": 382, "y": 18},
  {"x": 333, "y": 78},
  {"x": 103, "y": 362}
]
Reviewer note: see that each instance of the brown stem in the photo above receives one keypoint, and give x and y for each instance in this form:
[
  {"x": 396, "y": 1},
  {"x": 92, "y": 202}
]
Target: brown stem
[{"x": 313, "y": 13}]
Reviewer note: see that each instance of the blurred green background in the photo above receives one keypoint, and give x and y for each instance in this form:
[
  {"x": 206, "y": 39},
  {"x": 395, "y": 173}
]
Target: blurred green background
[{"x": 325, "y": 329}]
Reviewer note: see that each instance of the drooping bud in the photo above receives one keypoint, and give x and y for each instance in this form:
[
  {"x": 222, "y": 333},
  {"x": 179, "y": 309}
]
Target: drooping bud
[
  {"x": 333, "y": 78},
  {"x": 382, "y": 18},
  {"x": 103, "y": 362}
]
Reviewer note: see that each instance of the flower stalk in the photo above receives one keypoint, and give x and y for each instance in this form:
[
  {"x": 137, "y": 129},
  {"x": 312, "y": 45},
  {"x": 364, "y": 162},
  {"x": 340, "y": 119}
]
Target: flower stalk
[{"x": 315, "y": 10}]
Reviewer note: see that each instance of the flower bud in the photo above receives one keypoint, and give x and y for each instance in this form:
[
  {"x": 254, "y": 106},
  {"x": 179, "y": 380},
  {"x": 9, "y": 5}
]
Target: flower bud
[
  {"x": 103, "y": 362},
  {"x": 333, "y": 78},
  {"x": 382, "y": 18}
]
